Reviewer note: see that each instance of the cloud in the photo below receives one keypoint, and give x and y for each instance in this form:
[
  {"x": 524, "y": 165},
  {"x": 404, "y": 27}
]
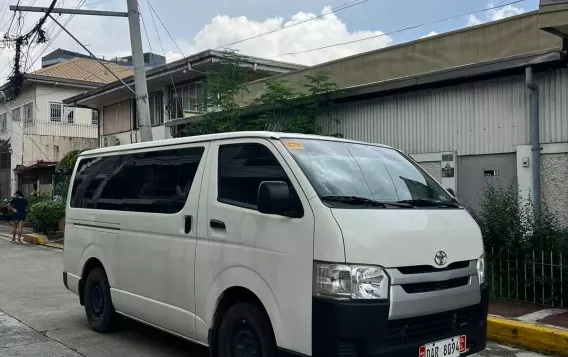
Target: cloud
[
  {"x": 495, "y": 14},
  {"x": 432, "y": 33},
  {"x": 323, "y": 31},
  {"x": 221, "y": 29}
]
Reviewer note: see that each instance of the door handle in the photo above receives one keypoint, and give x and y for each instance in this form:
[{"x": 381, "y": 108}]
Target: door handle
[
  {"x": 217, "y": 224},
  {"x": 188, "y": 222}
]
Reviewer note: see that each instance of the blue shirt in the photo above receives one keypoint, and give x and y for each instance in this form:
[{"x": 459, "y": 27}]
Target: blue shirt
[{"x": 20, "y": 204}]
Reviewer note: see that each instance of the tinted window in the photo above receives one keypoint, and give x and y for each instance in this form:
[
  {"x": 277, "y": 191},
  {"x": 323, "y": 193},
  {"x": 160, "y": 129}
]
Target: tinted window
[
  {"x": 155, "y": 182},
  {"x": 373, "y": 172},
  {"x": 242, "y": 168}
]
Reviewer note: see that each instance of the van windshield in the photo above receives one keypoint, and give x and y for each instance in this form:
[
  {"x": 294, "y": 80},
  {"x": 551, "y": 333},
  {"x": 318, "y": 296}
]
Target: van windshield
[{"x": 366, "y": 175}]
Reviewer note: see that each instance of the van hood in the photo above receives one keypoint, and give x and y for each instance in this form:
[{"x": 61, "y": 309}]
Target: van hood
[{"x": 404, "y": 237}]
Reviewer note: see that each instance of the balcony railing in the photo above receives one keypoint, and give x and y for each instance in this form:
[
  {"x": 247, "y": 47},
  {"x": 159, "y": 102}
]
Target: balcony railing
[{"x": 61, "y": 129}]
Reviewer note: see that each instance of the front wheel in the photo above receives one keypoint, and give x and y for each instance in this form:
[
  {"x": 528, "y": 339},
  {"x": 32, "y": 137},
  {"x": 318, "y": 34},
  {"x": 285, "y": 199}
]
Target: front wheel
[
  {"x": 98, "y": 304},
  {"x": 246, "y": 332}
]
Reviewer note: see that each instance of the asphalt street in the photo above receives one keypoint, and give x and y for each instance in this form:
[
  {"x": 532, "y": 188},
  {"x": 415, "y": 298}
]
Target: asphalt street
[{"x": 39, "y": 317}]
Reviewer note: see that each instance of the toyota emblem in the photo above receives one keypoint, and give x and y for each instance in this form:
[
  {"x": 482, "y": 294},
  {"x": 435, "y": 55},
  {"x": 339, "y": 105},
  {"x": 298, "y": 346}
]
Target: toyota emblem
[{"x": 441, "y": 258}]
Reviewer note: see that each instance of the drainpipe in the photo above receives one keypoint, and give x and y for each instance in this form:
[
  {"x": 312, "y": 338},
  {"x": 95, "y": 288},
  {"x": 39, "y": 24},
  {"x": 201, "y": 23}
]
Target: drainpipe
[{"x": 535, "y": 136}]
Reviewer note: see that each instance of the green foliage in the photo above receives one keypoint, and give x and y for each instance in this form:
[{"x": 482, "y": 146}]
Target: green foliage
[
  {"x": 278, "y": 108},
  {"x": 47, "y": 213},
  {"x": 524, "y": 248},
  {"x": 38, "y": 196},
  {"x": 67, "y": 164},
  {"x": 508, "y": 222}
]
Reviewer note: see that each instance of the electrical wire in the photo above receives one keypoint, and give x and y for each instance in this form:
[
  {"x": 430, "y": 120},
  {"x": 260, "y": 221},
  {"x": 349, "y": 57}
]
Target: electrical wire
[
  {"x": 330, "y": 11},
  {"x": 165, "y": 28},
  {"x": 396, "y": 31},
  {"x": 163, "y": 51}
]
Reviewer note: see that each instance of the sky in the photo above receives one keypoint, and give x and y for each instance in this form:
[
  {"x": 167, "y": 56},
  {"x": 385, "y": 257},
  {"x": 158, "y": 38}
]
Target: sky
[{"x": 200, "y": 25}]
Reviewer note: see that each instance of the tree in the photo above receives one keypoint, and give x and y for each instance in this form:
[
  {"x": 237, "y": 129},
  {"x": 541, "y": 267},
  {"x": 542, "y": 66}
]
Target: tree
[
  {"x": 63, "y": 172},
  {"x": 278, "y": 108},
  {"x": 67, "y": 164}
]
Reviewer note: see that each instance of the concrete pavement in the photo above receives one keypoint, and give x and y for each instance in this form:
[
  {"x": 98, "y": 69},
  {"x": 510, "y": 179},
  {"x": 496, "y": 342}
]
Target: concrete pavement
[{"x": 39, "y": 317}]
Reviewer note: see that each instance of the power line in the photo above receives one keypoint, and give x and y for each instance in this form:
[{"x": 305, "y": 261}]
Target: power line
[
  {"x": 396, "y": 31},
  {"x": 164, "y": 26},
  {"x": 162, "y": 46},
  {"x": 330, "y": 11}
]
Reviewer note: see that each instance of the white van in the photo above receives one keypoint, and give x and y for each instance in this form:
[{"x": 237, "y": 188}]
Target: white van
[{"x": 264, "y": 244}]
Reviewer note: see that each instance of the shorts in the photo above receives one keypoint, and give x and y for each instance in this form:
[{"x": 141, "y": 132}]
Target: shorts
[{"x": 18, "y": 218}]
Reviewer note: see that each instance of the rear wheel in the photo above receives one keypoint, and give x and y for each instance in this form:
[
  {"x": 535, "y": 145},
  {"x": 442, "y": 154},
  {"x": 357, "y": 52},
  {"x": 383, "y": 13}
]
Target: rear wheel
[
  {"x": 246, "y": 332},
  {"x": 98, "y": 304}
]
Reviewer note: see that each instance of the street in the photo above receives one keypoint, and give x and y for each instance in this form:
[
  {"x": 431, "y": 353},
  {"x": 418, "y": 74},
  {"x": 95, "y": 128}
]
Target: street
[{"x": 39, "y": 317}]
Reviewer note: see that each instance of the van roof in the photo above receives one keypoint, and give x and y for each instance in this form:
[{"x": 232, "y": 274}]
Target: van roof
[{"x": 212, "y": 137}]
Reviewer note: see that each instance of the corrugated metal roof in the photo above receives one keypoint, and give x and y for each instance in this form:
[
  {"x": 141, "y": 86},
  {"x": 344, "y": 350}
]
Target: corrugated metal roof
[
  {"x": 84, "y": 69},
  {"x": 483, "y": 117}
]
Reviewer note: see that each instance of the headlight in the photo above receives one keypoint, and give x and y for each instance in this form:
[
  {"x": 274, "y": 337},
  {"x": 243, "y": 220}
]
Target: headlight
[
  {"x": 341, "y": 281},
  {"x": 481, "y": 272}
]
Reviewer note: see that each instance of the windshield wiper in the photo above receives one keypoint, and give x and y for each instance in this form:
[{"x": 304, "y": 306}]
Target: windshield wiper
[
  {"x": 363, "y": 201},
  {"x": 431, "y": 203}
]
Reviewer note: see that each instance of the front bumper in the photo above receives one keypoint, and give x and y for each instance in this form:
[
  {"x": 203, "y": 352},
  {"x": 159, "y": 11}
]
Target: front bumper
[{"x": 362, "y": 329}]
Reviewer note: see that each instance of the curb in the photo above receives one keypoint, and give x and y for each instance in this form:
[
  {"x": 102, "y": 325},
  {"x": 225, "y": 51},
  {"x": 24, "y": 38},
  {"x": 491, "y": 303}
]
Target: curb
[
  {"x": 37, "y": 239},
  {"x": 538, "y": 338}
]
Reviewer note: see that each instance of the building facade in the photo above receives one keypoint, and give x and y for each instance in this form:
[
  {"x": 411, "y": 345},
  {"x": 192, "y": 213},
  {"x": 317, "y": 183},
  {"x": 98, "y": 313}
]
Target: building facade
[
  {"x": 37, "y": 129},
  {"x": 174, "y": 91}
]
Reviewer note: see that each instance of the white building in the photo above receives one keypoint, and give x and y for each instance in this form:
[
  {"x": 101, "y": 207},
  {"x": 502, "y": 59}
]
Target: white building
[{"x": 38, "y": 129}]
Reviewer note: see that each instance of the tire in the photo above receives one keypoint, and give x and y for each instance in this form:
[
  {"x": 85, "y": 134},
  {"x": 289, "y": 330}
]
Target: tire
[
  {"x": 98, "y": 304},
  {"x": 245, "y": 332}
]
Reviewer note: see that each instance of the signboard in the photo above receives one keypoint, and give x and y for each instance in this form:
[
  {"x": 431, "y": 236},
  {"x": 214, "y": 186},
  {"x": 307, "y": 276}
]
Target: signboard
[
  {"x": 448, "y": 157},
  {"x": 491, "y": 173},
  {"x": 448, "y": 171}
]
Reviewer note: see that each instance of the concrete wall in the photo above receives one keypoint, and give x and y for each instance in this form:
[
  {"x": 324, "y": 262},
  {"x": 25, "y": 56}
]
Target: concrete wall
[
  {"x": 491, "y": 41},
  {"x": 433, "y": 168},
  {"x": 554, "y": 185}
]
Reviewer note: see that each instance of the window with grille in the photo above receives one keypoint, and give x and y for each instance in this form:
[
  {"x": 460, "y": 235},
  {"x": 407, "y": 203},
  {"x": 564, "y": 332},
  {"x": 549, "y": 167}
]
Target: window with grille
[
  {"x": 156, "y": 101},
  {"x": 29, "y": 113},
  {"x": 60, "y": 113},
  {"x": 16, "y": 114},
  {"x": 186, "y": 99},
  {"x": 3, "y": 123},
  {"x": 94, "y": 117}
]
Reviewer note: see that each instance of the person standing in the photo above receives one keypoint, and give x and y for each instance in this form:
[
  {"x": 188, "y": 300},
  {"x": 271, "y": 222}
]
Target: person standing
[{"x": 18, "y": 206}]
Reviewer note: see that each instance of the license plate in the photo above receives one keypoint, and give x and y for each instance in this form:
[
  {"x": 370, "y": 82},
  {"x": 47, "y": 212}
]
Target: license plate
[{"x": 451, "y": 347}]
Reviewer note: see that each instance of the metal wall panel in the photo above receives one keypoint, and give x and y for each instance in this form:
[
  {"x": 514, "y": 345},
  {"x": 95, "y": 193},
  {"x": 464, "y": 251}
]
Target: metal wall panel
[{"x": 483, "y": 117}]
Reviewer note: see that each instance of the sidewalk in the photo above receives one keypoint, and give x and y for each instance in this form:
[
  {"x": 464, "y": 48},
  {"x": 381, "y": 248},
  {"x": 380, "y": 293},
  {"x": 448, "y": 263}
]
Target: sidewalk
[
  {"x": 29, "y": 236},
  {"x": 529, "y": 326}
]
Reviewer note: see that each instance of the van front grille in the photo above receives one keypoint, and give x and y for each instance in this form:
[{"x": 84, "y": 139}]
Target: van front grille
[
  {"x": 435, "y": 285},
  {"x": 421, "y": 328},
  {"x": 423, "y": 269}
]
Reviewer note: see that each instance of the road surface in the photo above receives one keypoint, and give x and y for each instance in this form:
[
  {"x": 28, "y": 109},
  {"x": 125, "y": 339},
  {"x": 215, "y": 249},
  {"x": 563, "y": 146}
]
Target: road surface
[{"x": 39, "y": 317}]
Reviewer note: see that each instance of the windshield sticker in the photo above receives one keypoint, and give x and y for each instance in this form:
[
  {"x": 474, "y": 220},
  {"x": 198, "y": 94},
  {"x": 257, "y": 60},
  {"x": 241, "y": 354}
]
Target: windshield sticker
[{"x": 294, "y": 145}]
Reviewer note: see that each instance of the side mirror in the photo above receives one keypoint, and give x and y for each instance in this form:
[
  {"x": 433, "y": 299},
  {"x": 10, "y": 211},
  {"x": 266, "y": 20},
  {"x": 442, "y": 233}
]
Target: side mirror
[
  {"x": 451, "y": 191},
  {"x": 274, "y": 198}
]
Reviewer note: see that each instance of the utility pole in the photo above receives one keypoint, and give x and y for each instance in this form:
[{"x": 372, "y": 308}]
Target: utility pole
[
  {"x": 141, "y": 89},
  {"x": 142, "y": 103}
]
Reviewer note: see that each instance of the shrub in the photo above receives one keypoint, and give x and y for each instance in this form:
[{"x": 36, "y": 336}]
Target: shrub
[
  {"x": 508, "y": 222},
  {"x": 38, "y": 196},
  {"x": 47, "y": 214}
]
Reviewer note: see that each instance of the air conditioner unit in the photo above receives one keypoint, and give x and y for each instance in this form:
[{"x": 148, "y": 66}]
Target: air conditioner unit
[{"x": 105, "y": 141}]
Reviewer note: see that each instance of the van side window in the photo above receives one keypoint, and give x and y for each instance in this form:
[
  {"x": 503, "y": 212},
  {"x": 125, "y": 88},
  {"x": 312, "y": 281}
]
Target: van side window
[
  {"x": 242, "y": 168},
  {"x": 153, "y": 182}
]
